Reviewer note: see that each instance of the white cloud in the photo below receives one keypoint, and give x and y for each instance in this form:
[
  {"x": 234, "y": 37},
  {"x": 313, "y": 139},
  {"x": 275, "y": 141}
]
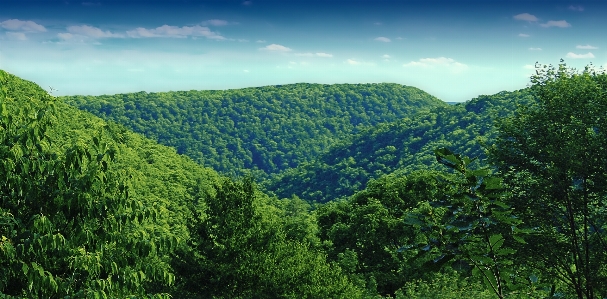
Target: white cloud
[
  {"x": 324, "y": 54},
  {"x": 443, "y": 62},
  {"x": 576, "y": 8},
  {"x": 16, "y": 35},
  {"x": 308, "y": 54},
  {"x": 174, "y": 31},
  {"x": 399, "y": 38},
  {"x": 586, "y": 47},
  {"x": 215, "y": 22},
  {"x": 579, "y": 56},
  {"x": 561, "y": 24},
  {"x": 91, "y": 31},
  {"x": 73, "y": 38},
  {"x": 359, "y": 62},
  {"x": 535, "y": 49},
  {"x": 383, "y": 39},
  {"x": 276, "y": 48},
  {"x": 529, "y": 67},
  {"x": 18, "y": 25},
  {"x": 523, "y": 35},
  {"x": 386, "y": 56},
  {"x": 246, "y": 71},
  {"x": 261, "y": 41},
  {"x": 526, "y": 17},
  {"x": 65, "y": 36}
]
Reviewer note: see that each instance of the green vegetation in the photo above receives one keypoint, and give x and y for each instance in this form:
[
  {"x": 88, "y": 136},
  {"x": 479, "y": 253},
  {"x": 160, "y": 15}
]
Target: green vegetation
[
  {"x": 89, "y": 209},
  {"x": 402, "y": 146},
  {"x": 69, "y": 223},
  {"x": 265, "y": 130},
  {"x": 503, "y": 196},
  {"x": 552, "y": 155}
]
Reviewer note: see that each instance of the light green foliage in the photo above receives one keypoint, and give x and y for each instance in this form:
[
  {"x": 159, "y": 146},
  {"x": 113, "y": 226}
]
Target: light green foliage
[
  {"x": 552, "y": 155},
  {"x": 266, "y": 129},
  {"x": 146, "y": 213},
  {"x": 69, "y": 227},
  {"x": 448, "y": 285},
  {"x": 299, "y": 223}
]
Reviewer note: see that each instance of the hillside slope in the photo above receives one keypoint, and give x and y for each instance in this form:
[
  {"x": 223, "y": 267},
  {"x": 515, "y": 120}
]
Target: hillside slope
[
  {"x": 404, "y": 145},
  {"x": 265, "y": 129},
  {"x": 91, "y": 209}
]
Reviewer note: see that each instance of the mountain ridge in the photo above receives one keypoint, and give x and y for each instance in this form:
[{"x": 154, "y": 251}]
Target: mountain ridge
[
  {"x": 402, "y": 146},
  {"x": 262, "y": 129}
]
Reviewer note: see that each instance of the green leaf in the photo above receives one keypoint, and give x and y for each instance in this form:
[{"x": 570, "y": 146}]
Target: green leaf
[
  {"x": 505, "y": 251},
  {"x": 496, "y": 241},
  {"x": 519, "y": 239},
  {"x": 493, "y": 183}
]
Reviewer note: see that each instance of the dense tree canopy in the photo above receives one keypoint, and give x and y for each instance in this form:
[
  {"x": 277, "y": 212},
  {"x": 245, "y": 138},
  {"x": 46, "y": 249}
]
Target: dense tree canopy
[
  {"x": 553, "y": 157},
  {"x": 404, "y": 209},
  {"x": 90, "y": 209},
  {"x": 69, "y": 226},
  {"x": 404, "y": 146},
  {"x": 268, "y": 129}
]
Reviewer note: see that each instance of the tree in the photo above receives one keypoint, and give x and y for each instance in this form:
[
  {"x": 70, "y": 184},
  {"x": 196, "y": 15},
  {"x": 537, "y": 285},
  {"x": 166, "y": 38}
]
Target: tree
[
  {"x": 241, "y": 249},
  {"x": 68, "y": 227},
  {"x": 366, "y": 232},
  {"x": 471, "y": 224},
  {"x": 552, "y": 155}
]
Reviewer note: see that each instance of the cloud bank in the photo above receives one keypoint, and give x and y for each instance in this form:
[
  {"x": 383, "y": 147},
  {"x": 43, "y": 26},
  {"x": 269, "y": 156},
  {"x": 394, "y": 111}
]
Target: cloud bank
[{"x": 174, "y": 32}]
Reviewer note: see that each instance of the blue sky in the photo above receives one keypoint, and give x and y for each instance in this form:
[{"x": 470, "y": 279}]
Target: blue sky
[{"x": 455, "y": 50}]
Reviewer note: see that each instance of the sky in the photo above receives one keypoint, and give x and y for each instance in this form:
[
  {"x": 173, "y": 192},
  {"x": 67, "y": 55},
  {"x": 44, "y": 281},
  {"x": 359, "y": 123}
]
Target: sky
[{"x": 454, "y": 50}]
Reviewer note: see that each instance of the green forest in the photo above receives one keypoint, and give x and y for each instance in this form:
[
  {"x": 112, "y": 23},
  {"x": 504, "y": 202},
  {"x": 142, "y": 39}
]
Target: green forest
[{"x": 306, "y": 191}]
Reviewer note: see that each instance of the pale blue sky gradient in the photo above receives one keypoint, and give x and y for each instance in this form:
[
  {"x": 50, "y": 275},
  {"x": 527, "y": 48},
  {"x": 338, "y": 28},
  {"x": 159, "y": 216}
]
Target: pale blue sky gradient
[{"x": 455, "y": 50}]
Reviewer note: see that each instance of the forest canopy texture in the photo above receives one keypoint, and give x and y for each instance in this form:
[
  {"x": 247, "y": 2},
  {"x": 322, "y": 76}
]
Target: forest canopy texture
[{"x": 323, "y": 191}]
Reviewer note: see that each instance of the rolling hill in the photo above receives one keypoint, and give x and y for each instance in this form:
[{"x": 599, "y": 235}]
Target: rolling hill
[
  {"x": 404, "y": 145},
  {"x": 89, "y": 208},
  {"x": 266, "y": 129}
]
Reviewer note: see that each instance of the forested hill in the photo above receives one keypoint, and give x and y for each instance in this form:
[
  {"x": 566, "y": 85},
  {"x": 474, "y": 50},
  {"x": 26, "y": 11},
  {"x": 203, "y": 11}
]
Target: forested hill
[
  {"x": 404, "y": 145},
  {"x": 265, "y": 129},
  {"x": 90, "y": 209}
]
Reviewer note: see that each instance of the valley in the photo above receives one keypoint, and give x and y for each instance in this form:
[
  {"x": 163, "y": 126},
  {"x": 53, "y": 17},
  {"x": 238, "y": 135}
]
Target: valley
[{"x": 305, "y": 191}]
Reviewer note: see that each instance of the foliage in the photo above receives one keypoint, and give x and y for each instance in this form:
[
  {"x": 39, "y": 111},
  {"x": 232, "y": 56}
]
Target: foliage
[
  {"x": 69, "y": 227},
  {"x": 167, "y": 213},
  {"x": 241, "y": 250},
  {"x": 552, "y": 155},
  {"x": 266, "y": 129},
  {"x": 91, "y": 209},
  {"x": 472, "y": 223},
  {"x": 441, "y": 285},
  {"x": 403, "y": 146},
  {"x": 366, "y": 232}
]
